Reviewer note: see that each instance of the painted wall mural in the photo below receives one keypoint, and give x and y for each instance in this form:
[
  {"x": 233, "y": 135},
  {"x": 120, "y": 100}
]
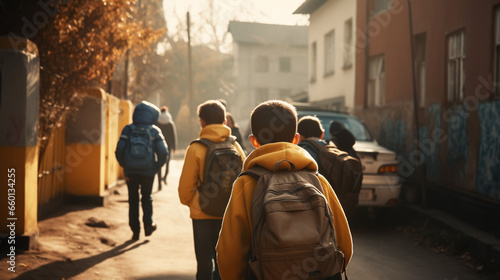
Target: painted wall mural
[
  {"x": 488, "y": 166},
  {"x": 456, "y": 123},
  {"x": 393, "y": 136},
  {"x": 450, "y": 127},
  {"x": 434, "y": 140},
  {"x": 456, "y": 120}
]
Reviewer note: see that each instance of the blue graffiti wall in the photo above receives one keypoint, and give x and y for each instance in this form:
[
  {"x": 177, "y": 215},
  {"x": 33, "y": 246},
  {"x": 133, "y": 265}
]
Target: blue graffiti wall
[
  {"x": 488, "y": 167},
  {"x": 456, "y": 120},
  {"x": 393, "y": 136},
  {"x": 432, "y": 159}
]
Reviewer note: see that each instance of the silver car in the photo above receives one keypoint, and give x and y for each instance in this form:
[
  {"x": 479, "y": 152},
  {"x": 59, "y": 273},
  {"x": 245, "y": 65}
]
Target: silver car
[{"x": 381, "y": 182}]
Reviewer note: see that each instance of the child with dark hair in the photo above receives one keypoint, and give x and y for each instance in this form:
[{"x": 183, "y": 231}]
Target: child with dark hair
[
  {"x": 274, "y": 135},
  {"x": 310, "y": 127},
  {"x": 212, "y": 117},
  {"x": 343, "y": 138}
]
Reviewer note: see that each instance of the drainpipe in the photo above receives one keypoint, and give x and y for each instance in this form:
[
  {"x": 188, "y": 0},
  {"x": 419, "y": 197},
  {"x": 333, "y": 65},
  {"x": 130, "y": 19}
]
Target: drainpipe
[
  {"x": 420, "y": 168},
  {"x": 367, "y": 44}
]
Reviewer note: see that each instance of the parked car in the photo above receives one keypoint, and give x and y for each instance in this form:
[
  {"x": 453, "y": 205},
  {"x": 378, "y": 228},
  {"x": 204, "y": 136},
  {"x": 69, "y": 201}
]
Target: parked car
[{"x": 381, "y": 183}]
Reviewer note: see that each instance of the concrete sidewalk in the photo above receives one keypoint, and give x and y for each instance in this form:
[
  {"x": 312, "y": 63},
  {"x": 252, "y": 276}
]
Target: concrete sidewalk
[{"x": 70, "y": 249}]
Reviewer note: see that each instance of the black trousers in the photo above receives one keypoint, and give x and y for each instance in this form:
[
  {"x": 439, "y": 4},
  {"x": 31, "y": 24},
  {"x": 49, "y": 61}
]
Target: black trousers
[
  {"x": 206, "y": 234},
  {"x": 144, "y": 184}
]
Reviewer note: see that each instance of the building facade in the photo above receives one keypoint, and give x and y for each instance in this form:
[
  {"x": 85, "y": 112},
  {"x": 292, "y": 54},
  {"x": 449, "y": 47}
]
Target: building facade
[
  {"x": 270, "y": 62},
  {"x": 437, "y": 106},
  {"x": 332, "y": 50}
]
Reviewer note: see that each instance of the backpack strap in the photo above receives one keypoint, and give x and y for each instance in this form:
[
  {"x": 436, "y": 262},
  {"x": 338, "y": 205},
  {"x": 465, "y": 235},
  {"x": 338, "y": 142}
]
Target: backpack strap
[
  {"x": 313, "y": 144},
  {"x": 256, "y": 172},
  {"x": 126, "y": 134}
]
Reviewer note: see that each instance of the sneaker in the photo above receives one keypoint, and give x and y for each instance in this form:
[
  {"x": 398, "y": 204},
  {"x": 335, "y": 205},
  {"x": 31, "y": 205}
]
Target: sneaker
[
  {"x": 135, "y": 236},
  {"x": 149, "y": 229}
]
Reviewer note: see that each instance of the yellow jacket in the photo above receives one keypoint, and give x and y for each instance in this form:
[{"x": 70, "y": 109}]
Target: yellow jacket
[
  {"x": 236, "y": 234},
  {"x": 192, "y": 171}
]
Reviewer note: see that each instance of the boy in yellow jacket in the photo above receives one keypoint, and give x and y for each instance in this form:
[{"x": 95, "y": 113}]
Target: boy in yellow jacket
[
  {"x": 274, "y": 134},
  {"x": 206, "y": 228}
]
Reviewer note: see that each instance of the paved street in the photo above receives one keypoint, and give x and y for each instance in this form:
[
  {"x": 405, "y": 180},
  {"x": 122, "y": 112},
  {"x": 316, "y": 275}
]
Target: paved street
[{"x": 73, "y": 250}]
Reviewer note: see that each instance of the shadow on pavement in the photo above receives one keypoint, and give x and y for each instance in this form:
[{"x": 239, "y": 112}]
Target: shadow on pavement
[
  {"x": 168, "y": 277},
  {"x": 66, "y": 269}
]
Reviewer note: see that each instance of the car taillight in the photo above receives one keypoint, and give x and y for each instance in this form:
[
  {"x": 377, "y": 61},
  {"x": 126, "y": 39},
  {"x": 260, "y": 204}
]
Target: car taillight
[{"x": 392, "y": 168}]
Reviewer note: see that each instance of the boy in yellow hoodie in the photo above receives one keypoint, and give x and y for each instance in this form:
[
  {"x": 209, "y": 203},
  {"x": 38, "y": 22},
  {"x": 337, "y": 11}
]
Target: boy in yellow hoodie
[
  {"x": 212, "y": 117},
  {"x": 274, "y": 135}
]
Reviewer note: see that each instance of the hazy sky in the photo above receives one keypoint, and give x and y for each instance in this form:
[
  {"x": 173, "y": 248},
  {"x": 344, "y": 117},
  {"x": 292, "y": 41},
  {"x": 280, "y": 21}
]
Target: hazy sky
[
  {"x": 267, "y": 11},
  {"x": 264, "y": 11}
]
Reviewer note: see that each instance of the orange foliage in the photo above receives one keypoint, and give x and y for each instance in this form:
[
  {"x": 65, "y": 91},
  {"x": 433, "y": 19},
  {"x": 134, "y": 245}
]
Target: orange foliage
[{"x": 80, "y": 47}]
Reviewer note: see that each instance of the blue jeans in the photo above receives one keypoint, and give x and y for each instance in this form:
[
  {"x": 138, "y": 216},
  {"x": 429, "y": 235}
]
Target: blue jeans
[
  {"x": 206, "y": 234},
  {"x": 145, "y": 185}
]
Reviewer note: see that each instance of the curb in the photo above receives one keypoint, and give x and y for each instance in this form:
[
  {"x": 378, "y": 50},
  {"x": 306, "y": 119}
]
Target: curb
[{"x": 482, "y": 245}]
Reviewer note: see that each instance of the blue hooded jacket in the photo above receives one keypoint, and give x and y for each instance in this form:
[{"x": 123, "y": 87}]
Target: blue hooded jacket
[{"x": 145, "y": 115}]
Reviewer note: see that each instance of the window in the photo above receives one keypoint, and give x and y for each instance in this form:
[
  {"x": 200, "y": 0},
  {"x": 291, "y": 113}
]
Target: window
[
  {"x": 329, "y": 52},
  {"x": 262, "y": 94},
  {"x": 285, "y": 93},
  {"x": 261, "y": 64},
  {"x": 456, "y": 66},
  {"x": 376, "y": 81},
  {"x": 285, "y": 64},
  {"x": 313, "y": 62},
  {"x": 420, "y": 67},
  {"x": 497, "y": 53},
  {"x": 381, "y": 5},
  {"x": 348, "y": 44}
]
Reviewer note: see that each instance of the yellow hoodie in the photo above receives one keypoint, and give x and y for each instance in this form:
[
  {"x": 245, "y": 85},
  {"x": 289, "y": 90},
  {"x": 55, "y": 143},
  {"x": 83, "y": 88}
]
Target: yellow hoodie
[
  {"x": 192, "y": 171},
  {"x": 236, "y": 234}
]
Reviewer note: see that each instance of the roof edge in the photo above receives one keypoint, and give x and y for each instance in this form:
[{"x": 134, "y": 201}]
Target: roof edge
[{"x": 309, "y": 6}]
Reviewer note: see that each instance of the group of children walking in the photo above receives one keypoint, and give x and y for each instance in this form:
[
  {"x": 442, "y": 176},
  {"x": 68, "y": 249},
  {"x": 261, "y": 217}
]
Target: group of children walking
[{"x": 280, "y": 218}]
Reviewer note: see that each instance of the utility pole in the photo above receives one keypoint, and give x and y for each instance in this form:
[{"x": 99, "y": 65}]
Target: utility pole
[
  {"x": 367, "y": 52},
  {"x": 190, "y": 75},
  {"x": 125, "y": 80}
]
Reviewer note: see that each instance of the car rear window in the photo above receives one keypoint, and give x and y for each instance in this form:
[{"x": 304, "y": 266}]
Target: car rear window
[{"x": 358, "y": 129}]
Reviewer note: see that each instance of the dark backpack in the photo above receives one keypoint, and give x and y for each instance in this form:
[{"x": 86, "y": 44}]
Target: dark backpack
[
  {"x": 222, "y": 165},
  {"x": 292, "y": 224},
  {"x": 139, "y": 154},
  {"x": 343, "y": 172}
]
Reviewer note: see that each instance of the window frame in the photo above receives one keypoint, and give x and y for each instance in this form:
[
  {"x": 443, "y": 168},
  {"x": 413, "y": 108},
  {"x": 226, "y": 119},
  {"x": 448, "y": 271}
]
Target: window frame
[
  {"x": 455, "y": 66},
  {"x": 314, "y": 61},
  {"x": 348, "y": 55},
  {"x": 380, "y": 6},
  {"x": 285, "y": 61},
  {"x": 329, "y": 38},
  {"x": 376, "y": 94}
]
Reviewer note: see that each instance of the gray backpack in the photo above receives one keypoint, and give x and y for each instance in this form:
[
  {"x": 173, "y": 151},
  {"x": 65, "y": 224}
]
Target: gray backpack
[
  {"x": 293, "y": 232},
  {"x": 222, "y": 166}
]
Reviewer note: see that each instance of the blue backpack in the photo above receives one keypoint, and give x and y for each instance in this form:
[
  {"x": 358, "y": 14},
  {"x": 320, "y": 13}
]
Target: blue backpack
[{"x": 139, "y": 154}]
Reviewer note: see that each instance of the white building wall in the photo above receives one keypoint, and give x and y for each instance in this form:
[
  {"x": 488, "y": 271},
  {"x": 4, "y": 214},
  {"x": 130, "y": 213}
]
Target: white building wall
[
  {"x": 332, "y": 90},
  {"x": 248, "y": 80}
]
